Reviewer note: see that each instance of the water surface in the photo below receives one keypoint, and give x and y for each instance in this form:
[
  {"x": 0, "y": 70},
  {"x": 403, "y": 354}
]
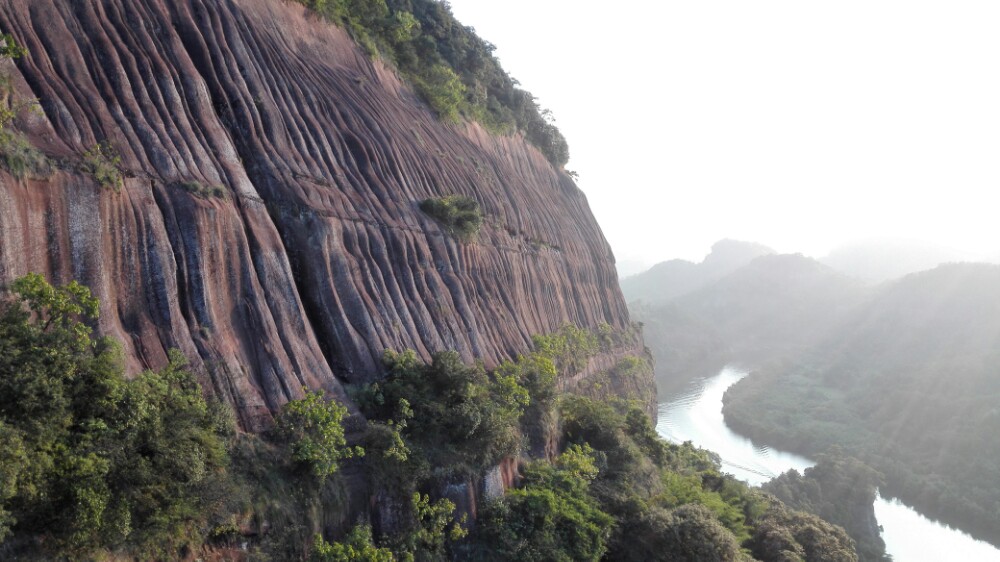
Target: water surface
[{"x": 695, "y": 414}]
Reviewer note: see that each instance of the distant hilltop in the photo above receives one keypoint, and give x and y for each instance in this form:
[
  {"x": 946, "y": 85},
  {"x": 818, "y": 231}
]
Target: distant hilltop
[{"x": 670, "y": 279}]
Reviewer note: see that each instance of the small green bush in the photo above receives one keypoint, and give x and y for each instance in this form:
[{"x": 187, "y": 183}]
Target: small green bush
[
  {"x": 358, "y": 546},
  {"x": 11, "y": 48},
  {"x": 460, "y": 215},
  {"x": 21, "y": 158},
  {"x": 198, "y": 189},
  {"x": 102, "y": 162}
]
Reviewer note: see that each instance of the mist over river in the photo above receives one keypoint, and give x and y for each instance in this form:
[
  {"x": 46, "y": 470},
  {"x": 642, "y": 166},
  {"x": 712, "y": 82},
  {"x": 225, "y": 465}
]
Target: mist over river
[{"x": 695, "y": 414}]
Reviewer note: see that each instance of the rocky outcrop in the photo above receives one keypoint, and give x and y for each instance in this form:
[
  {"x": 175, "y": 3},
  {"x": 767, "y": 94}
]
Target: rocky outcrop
[{"x": 315, "y": 258}]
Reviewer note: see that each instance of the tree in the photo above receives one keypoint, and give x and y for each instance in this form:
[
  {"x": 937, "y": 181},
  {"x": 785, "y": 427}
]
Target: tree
[
  {"x": 356, "y": 547},
  {"x": 553, "y": 517},
  {"x": 90, "y": 460},
  {"x": 313, "y": 426}
]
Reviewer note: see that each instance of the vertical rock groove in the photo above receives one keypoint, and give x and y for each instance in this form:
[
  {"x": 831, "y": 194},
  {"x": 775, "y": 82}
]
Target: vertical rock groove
[{"x": 318, "y": 258}]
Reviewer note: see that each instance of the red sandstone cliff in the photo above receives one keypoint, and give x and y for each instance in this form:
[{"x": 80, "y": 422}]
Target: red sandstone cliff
[{"x": 318, "y": 258}]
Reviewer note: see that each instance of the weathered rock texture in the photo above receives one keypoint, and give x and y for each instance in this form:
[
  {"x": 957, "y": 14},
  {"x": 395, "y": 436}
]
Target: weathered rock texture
[{"x": 318, "y": 258}]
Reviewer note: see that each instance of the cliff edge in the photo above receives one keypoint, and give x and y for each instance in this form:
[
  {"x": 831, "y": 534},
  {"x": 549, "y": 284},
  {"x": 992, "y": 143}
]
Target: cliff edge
[{"x": 268, "y": 222}]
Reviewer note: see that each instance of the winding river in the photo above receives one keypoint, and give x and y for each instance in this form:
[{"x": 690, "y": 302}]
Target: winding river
[{"x": 695, "y": 414}]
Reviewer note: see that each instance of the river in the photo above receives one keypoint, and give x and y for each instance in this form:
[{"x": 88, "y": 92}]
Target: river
[{"x": 695, "y": 414}]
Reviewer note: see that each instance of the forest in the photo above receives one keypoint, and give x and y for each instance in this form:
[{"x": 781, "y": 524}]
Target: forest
[
  {"x": 96, "y": 464},
  {"x": 908, "y": 384}
]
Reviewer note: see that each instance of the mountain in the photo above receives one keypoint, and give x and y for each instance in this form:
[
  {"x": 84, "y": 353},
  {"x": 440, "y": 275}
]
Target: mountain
[
  {"x": 908, "y": 383},
  {"x": 275, "y": 203},
  {"x": 242, "y": 181},
  {"x": 880, "y": 260},
  {"x": 775, "y": 302},
  {"x": 670, "y": 279},
  {"x": 774, "y": 305}
]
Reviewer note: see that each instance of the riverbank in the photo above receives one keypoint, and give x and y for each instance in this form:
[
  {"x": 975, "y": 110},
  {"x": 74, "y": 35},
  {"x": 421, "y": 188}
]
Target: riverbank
[{"x": 695, "y": 414}]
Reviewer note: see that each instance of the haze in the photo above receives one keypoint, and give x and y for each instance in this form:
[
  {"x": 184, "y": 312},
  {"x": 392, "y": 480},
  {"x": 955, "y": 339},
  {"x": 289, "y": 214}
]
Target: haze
[{"x": 800, "y": 125}]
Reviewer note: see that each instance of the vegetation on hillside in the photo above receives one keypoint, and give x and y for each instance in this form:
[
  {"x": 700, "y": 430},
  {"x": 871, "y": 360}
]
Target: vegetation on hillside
[
  {"x": 451, "y": 67},
  {"x": 90, "y": 459},
  {"x": 103, "y": 163},
  {"x": 908, "y": 385},
  {"x": 841, "y": 490},
  {"x": 773, "y": 306},
  {"x": 17, "y": 154},
  {"x": 460, "y": 215},
  {"x": 95, "y": 465}
]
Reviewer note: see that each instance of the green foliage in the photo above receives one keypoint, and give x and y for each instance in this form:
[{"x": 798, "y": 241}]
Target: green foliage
[
  {"x": 669, "y": 501},
  {"x": 283, "y": 505},
  {"x": 314, "y": 429},
  {"x": 459, "y": 214},
  {"x": 17, "y": 154},
  {"x": 357, "y": 547},
  {"x": 443, "y": 90},
  {"x": 92, "y": 460},
  {"x": 20, "y": 157},
  {"x": 552, "y": 517},
  {"x": 841, "y": 490},
  {"x": 785, "y": 535},
  {"x": 103, "y": 163},
  {"x": 435, "y": 528},
  {"x": 452, "y": 68},
  {"x": 13, "y": 463},
  {"x": 693, "y": 532},
  {"x": 10, "y": 109},
  {"x": 570, "y": 348},
  {"x": 463, "y": 420},
  {"x": 11, "y": 49},
  {"x": 204, "y": 191},
  {"x": 431, "y": 531},
  {"x": 907, "y": 384},
  {"x": 93, "y": 465}
]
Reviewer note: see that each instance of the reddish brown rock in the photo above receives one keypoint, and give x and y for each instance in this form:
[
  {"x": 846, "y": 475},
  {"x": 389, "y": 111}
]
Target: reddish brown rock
[{"x": 318, "y": 258}]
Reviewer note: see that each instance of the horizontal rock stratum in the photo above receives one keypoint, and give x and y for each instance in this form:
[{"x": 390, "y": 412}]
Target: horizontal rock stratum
[{"x": 316, "y": 257}]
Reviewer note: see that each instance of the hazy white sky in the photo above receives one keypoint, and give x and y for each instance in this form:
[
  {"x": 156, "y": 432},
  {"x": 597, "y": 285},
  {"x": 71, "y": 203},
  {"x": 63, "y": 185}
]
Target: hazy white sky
[{"x": 798, "y": 124}]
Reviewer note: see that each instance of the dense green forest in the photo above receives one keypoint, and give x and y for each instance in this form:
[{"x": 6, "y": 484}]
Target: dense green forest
[
  {"x": 95, "y": 463},
  {"x": 451, "y": 67},
  {"x": 909, "y": 384},
  {"x": 841, "y": 490}
]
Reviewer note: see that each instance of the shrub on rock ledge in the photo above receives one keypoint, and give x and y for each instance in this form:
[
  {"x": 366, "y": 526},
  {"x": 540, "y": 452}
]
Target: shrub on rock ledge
[{"x": 459, "y": 214}]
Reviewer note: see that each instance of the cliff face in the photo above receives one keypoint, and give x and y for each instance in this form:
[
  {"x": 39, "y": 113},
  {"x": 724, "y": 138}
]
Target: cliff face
[{"x": 316, "y": 258}]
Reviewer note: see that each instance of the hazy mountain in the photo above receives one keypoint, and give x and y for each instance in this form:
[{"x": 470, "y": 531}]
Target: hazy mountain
[
  {"x": 628, "y": 268},
  {"x": 681, "y": 344},
  {"x": 670, "y": 279},
  {"x": 774, "y": 304},
  {"x": 879, "y": 260},
  {"x": 909, "y": 382}
]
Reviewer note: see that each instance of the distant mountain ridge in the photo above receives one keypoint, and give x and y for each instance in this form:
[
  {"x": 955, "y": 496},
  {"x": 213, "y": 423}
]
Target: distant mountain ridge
[
  {"x": 671, "y": 279},
  {"x": 777, "y": 301},
  {"x": 880, "y": 260},
  {"x": 910, "y": 383},
  {"x": 772, "y": 304}
]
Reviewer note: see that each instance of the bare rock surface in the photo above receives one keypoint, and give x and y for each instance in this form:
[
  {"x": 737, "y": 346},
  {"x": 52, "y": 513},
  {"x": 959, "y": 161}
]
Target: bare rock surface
[{"x": 317, "y": 258}]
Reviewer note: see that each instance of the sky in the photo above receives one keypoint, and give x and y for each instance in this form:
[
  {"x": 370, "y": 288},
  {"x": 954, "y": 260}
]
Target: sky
[{"x": 797, "y": 124}]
